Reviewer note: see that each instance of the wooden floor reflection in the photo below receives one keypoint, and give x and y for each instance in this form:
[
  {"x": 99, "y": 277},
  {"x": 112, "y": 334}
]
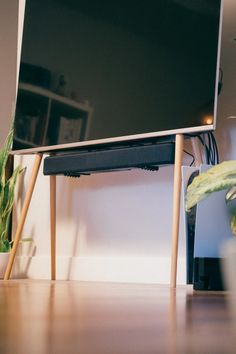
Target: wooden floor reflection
[{"x": 88, "y": 318}]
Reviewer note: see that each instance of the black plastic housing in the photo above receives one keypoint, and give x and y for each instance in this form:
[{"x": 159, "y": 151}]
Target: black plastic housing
[{"x": 121, "y": 158}]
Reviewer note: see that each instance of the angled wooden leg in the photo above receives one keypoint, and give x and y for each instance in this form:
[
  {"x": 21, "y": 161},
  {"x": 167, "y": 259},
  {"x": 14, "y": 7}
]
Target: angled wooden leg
[
  {"x": 53, "y": 225},
  {"x": 179, "y": 142},
  {"x": 37, "y": 161}
]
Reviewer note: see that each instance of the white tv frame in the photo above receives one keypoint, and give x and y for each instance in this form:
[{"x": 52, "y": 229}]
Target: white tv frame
[{"x": 127, "y": 138}]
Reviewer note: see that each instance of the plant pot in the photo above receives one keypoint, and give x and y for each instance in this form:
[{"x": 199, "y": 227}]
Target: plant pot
[{"x": 4, "y": 256}]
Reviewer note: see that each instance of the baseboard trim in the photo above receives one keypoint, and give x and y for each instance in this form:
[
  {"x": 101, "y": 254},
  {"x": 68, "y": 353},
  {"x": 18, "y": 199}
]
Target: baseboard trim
[{"x": 150, "y": 270}]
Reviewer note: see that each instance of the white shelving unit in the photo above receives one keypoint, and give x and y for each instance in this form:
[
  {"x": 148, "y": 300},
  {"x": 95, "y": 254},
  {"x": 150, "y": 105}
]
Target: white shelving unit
[{"x": 38, "y": 112}]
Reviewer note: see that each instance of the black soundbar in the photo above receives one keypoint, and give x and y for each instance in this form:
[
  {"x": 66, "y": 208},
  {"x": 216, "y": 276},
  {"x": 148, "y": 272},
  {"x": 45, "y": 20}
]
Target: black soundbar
[{"x": 86, "y": 162}]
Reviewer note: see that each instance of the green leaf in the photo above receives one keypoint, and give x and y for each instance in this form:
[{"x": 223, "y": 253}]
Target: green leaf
[
  {"x": 4, "y": 153},
  {"x": 5, "y": 246},
  {"x": 219, "y": 177},
  {"x": 7, "y": 203},
  {"x": 7, "y": 208},
  {"x": 5, "y": 198},
  {"x": 7, "y": 188},
  {"x": 231, "y": 194},
  {"x": 233, "y": 223}
]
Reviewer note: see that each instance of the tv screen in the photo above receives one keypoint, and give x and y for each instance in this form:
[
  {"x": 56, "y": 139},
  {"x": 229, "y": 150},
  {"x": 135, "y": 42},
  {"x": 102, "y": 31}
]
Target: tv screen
[{"x": 102, "y": 72}]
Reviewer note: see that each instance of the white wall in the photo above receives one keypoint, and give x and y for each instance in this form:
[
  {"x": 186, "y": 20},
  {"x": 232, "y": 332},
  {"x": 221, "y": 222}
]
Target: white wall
[
  {"x": 8, "y": 62},
  {"x": 117, "y": 226},
  {"x": 226, "y": 128}
]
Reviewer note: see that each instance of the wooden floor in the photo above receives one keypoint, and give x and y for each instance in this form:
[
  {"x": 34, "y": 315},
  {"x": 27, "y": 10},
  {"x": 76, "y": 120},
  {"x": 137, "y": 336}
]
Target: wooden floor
[{"x": 88, "y": 318}]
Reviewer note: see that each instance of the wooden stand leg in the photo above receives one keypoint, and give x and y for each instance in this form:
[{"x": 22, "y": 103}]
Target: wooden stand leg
[
  {"x": 179, "y": 142},
  {"x": 53, "y": 225},
  {"x": 25, "y": 208}
]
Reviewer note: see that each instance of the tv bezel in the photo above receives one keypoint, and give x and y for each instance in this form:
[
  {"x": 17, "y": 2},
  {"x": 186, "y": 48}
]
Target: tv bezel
[{"x": 127, "y": 139}]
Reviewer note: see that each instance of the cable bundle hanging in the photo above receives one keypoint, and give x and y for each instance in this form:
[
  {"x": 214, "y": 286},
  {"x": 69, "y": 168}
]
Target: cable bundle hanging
[
  {"x": 210, "y": 147},
  {"x": 209, "y": 144}
]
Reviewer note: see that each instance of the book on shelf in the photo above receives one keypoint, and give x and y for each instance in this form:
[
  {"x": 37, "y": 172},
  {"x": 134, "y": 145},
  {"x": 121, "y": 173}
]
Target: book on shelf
[{"x": 70, "y": 130}]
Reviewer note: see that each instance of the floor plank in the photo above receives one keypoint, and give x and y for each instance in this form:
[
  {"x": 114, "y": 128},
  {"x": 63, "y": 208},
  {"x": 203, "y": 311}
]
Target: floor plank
[{"x": 43, "y": 317}]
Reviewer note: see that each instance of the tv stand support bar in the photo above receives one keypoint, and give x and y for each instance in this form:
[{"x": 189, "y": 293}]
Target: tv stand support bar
[
  {"x": 34, "y": 174},
  {"x": 179, "y": 143},
  {"x": 53, "y": 225},
  {"x": 175, "y": 220}
]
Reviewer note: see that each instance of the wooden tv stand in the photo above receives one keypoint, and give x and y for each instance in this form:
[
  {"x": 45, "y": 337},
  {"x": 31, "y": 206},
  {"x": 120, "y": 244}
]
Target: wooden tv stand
[{"x": 147, "y": 158}]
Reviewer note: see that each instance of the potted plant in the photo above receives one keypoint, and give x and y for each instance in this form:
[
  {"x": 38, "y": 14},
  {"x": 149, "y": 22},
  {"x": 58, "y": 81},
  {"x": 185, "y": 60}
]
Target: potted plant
[{"x": 7, "y": 187}]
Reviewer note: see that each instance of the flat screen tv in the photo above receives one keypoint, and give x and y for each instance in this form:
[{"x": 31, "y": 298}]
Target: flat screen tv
[{"x": 110, "y": 72}]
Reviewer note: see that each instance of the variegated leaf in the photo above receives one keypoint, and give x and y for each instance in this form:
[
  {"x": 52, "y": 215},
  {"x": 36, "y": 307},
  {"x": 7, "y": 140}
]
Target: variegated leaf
[
  {"x": 219, "y": 177},
  {"x": 231, "y": 194},
  {"x": 233, "y": 223}
]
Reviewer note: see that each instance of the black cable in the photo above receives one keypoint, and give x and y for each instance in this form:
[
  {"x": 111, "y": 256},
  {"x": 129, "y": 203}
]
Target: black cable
[
  {"x": 215, "y": 148},
  {"x": 220, "y": 81},
  {"x": 206, "y": 148},
  {"x": 193, "y": 157},
  {"x": 210, "y": 149}
]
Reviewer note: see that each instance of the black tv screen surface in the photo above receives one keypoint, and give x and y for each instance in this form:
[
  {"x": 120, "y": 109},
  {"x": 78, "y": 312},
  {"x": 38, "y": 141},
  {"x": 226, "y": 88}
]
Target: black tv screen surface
[{"x": 97, "y": 72}]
